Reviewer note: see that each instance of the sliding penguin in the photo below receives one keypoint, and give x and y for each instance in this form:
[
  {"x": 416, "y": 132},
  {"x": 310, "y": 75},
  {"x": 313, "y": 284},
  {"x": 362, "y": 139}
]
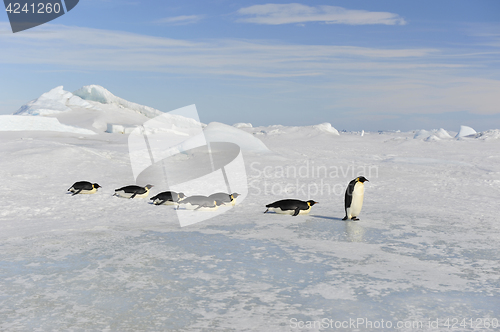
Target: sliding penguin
[
  {"x": 168, "y": 198},
  {"x": 290, "y": 206},
  {"x": 354, "y": 195},
  {"x": 133, "y": 191},
  {"x": 202, "y": 203},
  {"x": 83, "y": 187},
  {"x": 225, "y": 198}
]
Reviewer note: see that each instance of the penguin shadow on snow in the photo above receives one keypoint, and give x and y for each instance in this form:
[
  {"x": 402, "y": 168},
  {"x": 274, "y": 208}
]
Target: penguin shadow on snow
[
  {"x": 325, "y": 217},
  {"x": 348, "y": 230}
]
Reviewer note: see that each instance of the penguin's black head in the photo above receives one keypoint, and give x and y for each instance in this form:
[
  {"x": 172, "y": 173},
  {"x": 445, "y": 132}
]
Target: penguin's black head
[
  {"x": 235, "y": 195},
  {"x": 149, "y": 186},
  {"x": 95, "y": 185},
  {"x": 311, "y": 203},
  {"x": 362, "y": 179},
  {"x": 181, "y": 195}
]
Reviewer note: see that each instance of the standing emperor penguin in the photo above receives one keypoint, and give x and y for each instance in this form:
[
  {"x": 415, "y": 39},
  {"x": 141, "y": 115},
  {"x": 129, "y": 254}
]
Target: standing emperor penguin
[{"x": 354, "y": 195}]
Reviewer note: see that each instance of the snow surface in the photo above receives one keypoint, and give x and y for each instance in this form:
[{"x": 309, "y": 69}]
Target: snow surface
[{"x": 426, "y": 247}]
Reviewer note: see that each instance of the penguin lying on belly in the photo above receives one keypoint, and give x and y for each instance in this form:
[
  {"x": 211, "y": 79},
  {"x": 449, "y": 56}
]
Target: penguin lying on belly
[
  {"x": 168, "y": 198},
  {"x": 290, "y": 206},
  {"x": 200, "y": 203},
  {"x": 133, "y": 191},
  {"x": 225, "y": 198},
  {"x": 83, "y": 187},
  {"x": 354, "y": 195}
]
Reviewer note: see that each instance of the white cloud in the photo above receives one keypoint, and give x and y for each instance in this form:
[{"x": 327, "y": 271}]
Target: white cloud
[
  {"x": 414, "y": 95},
  {"x": 396, "y": 80},
  {"x": 180, "y": 20},
  {"x": 297, "y": 13},
  {"x": 114, "y": 50}
]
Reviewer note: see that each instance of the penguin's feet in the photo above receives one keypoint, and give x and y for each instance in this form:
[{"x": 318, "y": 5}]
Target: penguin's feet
[
  {"x": 355, "y": 218},
  {"x": 345, "y": 218}
]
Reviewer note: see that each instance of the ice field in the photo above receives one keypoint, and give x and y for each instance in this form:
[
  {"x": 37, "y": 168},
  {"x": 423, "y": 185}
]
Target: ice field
[{"x": 426, "y": 249}]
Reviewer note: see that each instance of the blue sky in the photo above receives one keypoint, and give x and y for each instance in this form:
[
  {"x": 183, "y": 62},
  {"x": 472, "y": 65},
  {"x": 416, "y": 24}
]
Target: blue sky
[{"x": 368, "y": 65}]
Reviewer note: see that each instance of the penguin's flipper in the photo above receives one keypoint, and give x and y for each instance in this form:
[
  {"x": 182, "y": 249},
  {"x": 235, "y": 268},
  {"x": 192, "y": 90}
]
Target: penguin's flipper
[
  {"x": 199, "y": 207},
  {"x": 266, "y": 211},
  {"x": 135, "y": 193},
  {"x": 77, "y": 192},
  {"x": 297, "y": 211},
  {"x": 158, "y": 202}
]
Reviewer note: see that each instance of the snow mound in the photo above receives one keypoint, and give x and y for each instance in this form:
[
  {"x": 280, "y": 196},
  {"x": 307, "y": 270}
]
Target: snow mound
[
  {"x": 219, "y": 132},
  {"x": 114, "y": 128},
  {"x": 177, "y": 122},
  {"x": 99, "y": 94},
  {"x": 433, "y": 135},
  {"x": 25, "y": 123},
  {"x": 53, "y": 102},
  {"x": 489, "y": 134},
  {"x": 422, "y": 134},
  {"x": 432, "y": 138},
  {"x": 242, "y": 125},
  {"x": 271, "y": 130},
  {"x": 465, "y": 131},
  {"x": 166, "y": 123},
  {"x": 307, "y": 131},
  {"x": 441, "y": 133},
  {"x": 326, "y": 128}
]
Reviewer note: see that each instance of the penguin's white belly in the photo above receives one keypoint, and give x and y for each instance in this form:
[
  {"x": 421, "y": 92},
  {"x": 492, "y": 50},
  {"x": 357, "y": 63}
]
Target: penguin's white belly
[
  {"x": 189, "y": 206},
  {"x": 157, "y": 201},
  {"x": 357, "y": 200},
  {"x": 208, "y": 208},
  {"x": 84, "y": 191},
  {"x": 128, "y": 195},
  {"x": 88, "y": 191},
  {"x": 290, "y": 212}
]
